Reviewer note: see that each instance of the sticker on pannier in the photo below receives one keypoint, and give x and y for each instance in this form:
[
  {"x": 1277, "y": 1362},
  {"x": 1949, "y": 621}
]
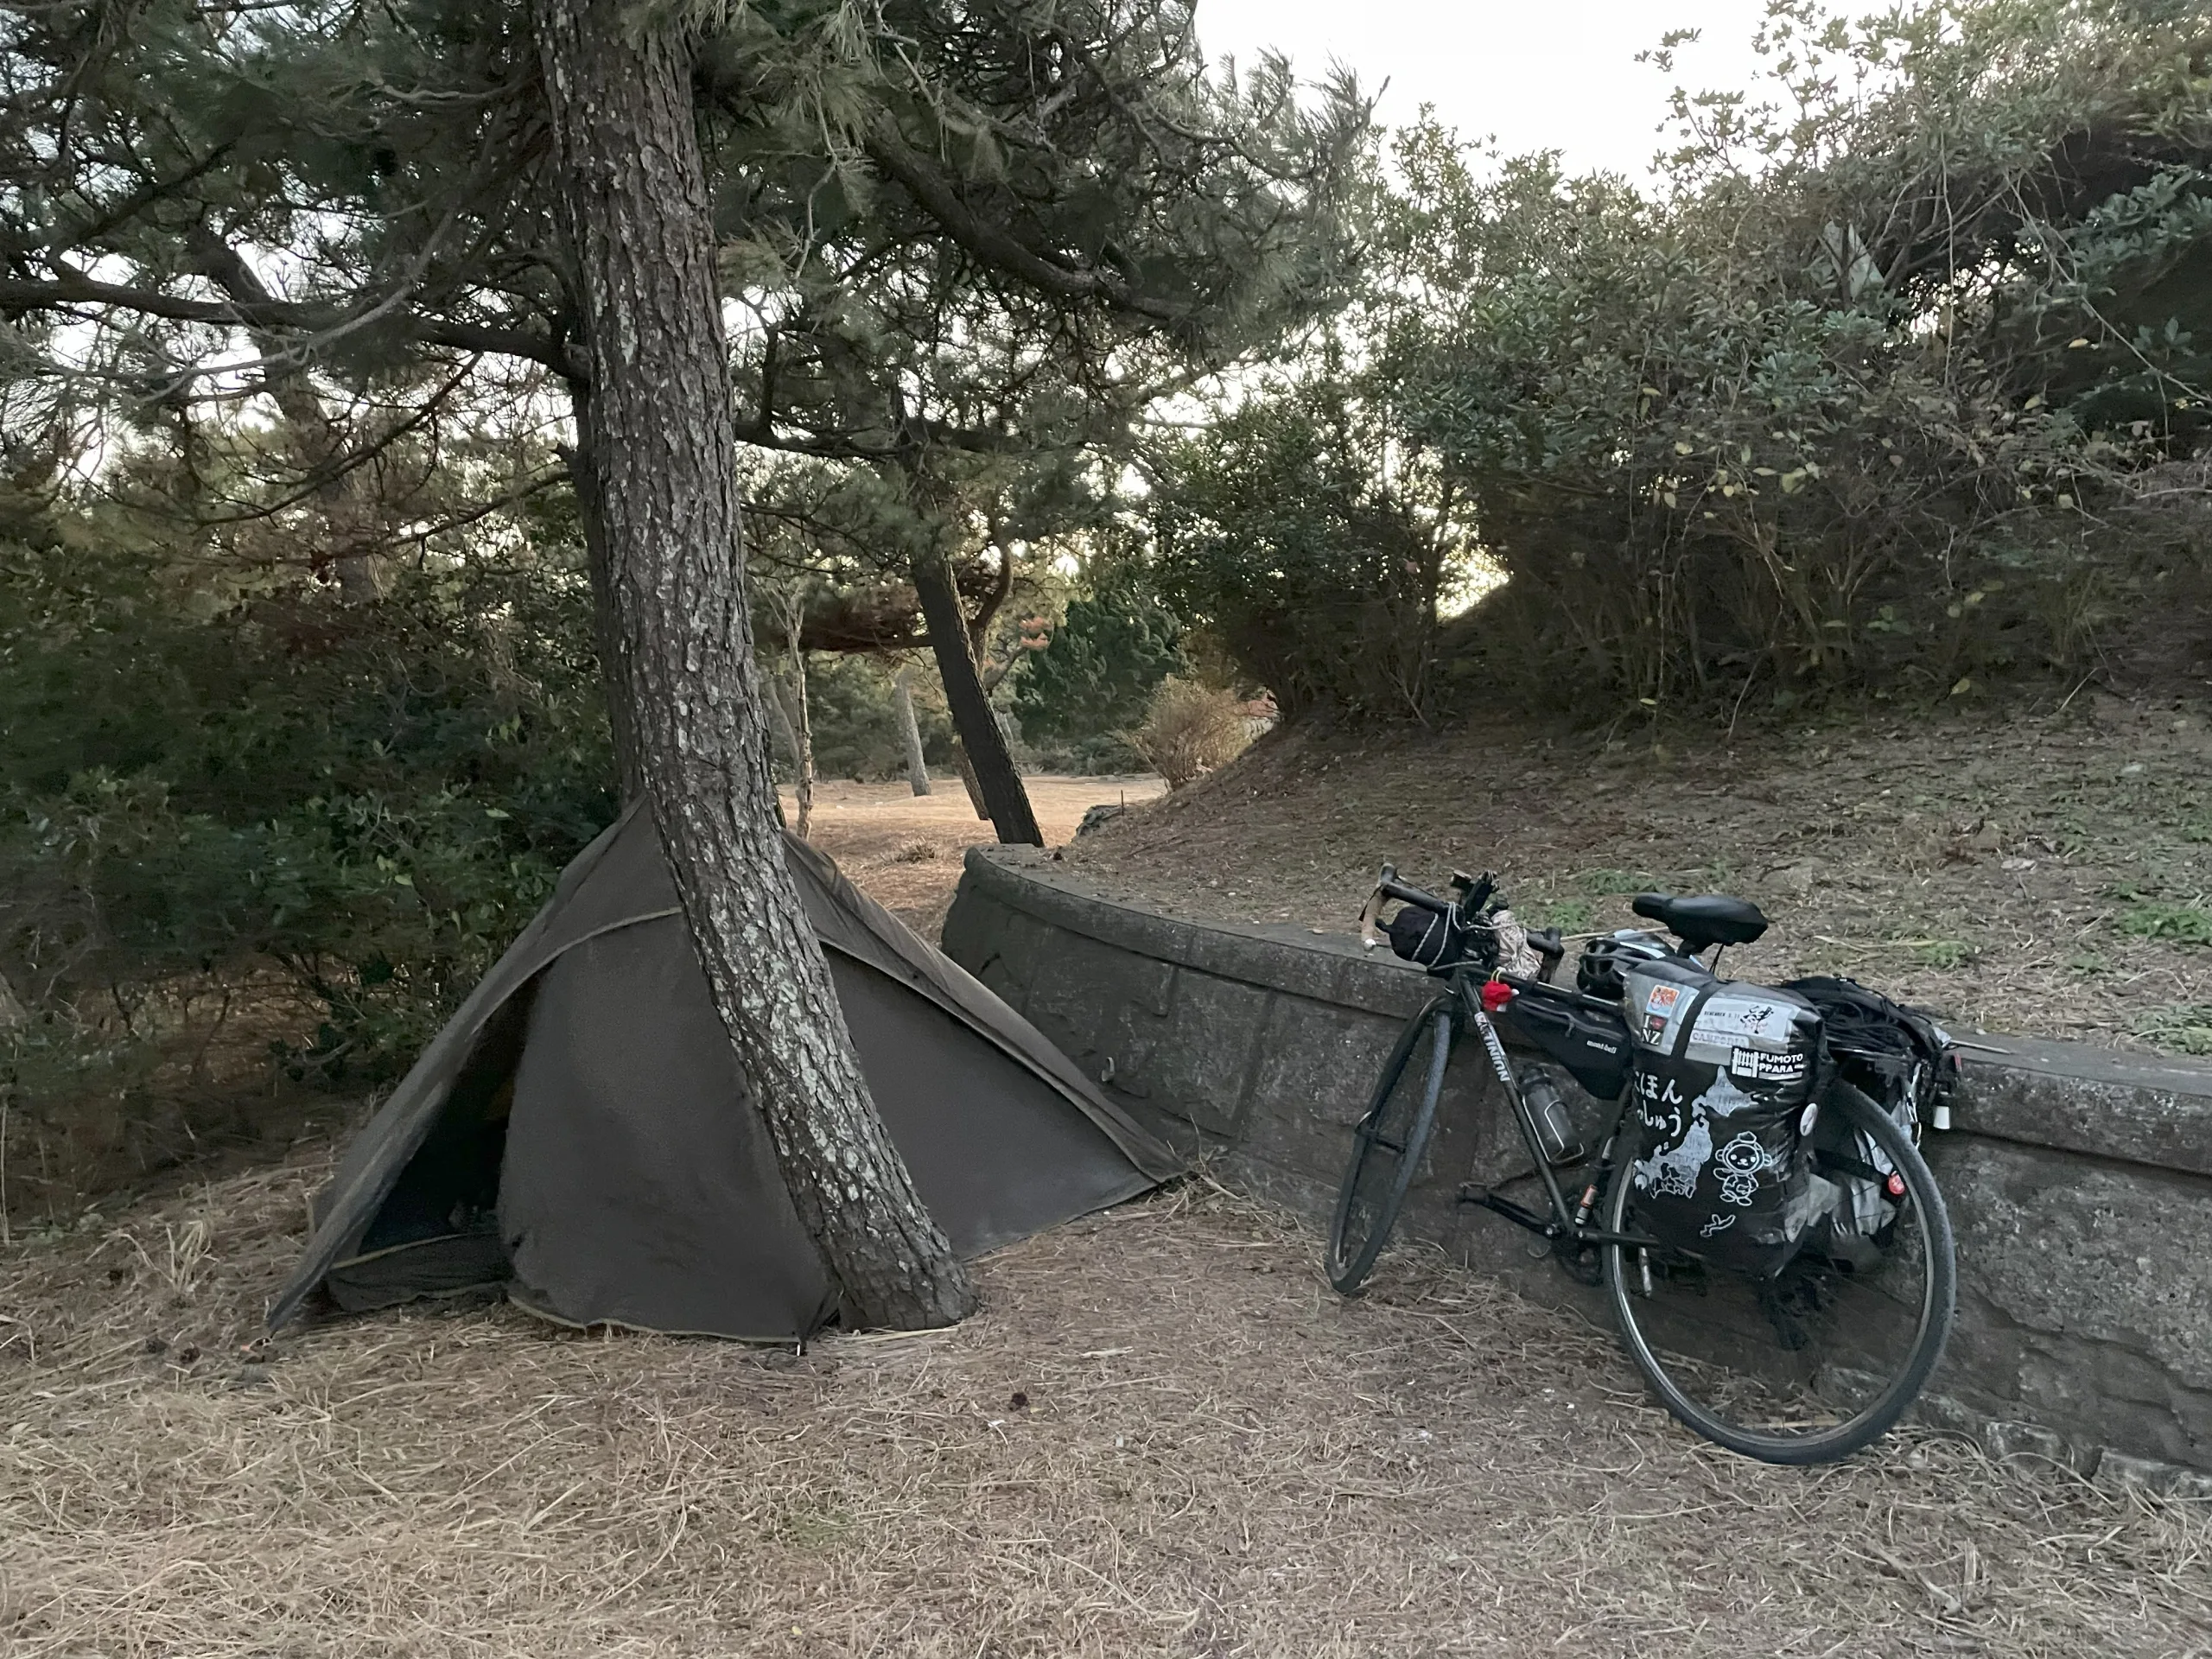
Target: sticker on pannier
[{"x": 1723, "y": 1172}]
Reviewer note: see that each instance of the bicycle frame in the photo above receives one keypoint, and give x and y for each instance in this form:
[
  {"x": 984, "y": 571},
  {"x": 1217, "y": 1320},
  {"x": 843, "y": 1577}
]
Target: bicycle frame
[{"x": 1565, "y": 1225}]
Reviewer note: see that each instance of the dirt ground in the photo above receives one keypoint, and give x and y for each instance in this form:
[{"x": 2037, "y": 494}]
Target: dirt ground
[
  {"x": 1162, "y": 1435},
  {"x": 2046, "y": 873},
  {"x": 905, "y": 848}
]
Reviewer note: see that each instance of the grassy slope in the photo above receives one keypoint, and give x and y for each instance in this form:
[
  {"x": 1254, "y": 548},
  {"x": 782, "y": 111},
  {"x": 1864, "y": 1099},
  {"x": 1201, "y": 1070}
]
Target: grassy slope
[{"x": 2046, "y": 873}]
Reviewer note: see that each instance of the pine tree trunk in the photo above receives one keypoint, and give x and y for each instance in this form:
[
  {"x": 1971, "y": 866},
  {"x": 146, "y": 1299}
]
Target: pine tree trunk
[
  {"x": 910, "y": 732},
  {"x": 657, "y": 429},
  {"x": 802, "y": 721},
  {"x": 629, "y": 768},
  {"x": 802, "y": 728},
  {"x": 968, "y": 779},
  {"x": 1004, "y": 797}
]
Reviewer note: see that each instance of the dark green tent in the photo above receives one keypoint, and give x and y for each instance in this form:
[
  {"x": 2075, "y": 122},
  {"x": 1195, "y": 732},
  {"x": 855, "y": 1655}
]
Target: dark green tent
[{"x": 579, "y": 1134}]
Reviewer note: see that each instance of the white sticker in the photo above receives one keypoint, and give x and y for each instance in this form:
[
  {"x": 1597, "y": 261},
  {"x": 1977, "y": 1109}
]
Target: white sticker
[
  {"x": 1739, "y": 1164},
  {"x": 1759, "y": 1066},
  {"x": 1721, "y": 1021},
  {"x": 1658, "y": 1009},
  {"x": 1806, "y": 1118}
]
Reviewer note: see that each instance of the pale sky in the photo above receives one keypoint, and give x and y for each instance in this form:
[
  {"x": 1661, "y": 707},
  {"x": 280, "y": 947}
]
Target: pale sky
[{"x": 1539, "y": 74}]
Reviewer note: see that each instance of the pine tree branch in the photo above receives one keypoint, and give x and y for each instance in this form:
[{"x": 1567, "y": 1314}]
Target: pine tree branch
[
  {"x": 996, "y": 246},
  {"x": 18, "y": 295}
]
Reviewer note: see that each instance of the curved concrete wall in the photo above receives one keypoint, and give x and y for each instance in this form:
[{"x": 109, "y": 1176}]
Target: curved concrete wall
[{"x": 2080, "y": 1180}]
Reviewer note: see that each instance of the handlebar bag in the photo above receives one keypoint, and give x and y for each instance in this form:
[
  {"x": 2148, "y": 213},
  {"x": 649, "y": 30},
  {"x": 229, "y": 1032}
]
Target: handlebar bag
[
  {"x": 1433, "y": 940},
  {"x": 1724, "y": 1075}
]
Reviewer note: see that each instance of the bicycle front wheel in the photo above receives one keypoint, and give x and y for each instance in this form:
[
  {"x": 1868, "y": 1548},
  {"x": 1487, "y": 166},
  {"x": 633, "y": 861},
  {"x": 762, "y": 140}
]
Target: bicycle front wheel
[
  {"x": 1388, "y": 1143},
  {"x": 1822, "y": 1359}
]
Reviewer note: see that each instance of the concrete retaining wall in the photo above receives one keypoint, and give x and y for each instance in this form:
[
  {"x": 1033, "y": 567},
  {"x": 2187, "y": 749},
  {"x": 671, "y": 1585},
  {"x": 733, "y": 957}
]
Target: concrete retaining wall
[{"x": 2080, "y": 1180}]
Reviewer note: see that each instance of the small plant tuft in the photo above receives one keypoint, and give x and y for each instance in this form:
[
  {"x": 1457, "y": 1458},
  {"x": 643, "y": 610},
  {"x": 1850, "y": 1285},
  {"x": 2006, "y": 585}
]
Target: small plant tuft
[{"x": 1190, "y": 729}]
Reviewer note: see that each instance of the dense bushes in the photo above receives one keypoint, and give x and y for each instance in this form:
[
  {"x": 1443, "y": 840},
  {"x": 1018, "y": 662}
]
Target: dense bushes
[
  {"x": 227, "y": 790},
  {"x": 1893, "y": 385},
  {"x": 1315, "y": 541},
  {"x": 1079, "y": 696}
]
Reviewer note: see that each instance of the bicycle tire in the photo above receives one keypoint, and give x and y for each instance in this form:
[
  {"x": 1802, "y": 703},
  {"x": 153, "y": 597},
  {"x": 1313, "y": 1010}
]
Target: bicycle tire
[
  {"x": 1750, "y": 1371},
  {"x": 1388, "y": 1144}
]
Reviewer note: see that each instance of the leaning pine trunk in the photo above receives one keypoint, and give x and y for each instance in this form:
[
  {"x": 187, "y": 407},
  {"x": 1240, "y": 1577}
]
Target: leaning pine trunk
[
  {"x": 981, "y": 739},
  {"x": 655, "y": 422},
  {"x": 968, "y": 780},
  {"x": 910, "y": 732}
]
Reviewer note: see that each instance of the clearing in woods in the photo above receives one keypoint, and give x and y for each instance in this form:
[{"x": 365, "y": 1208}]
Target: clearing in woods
[
  {"x": 1163, "y": 1433},
  {"x": 904, "y": 848}
]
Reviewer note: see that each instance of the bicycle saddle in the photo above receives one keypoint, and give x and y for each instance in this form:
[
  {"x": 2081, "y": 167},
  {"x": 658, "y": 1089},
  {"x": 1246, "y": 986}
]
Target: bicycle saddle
[{"x": 1708, "y": 919}]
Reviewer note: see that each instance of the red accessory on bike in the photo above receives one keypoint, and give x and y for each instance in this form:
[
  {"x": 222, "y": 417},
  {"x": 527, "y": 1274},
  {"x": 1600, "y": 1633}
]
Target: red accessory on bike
[
  {"x": 1895, "y": 1185},
  {"x": 1496, "y": 995}
]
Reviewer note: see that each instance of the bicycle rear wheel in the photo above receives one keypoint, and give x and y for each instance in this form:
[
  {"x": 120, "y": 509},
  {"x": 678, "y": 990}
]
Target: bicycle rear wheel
[
  {"x": 1813, "y": 1364},
  {"x": 1387, "y": 1142}
]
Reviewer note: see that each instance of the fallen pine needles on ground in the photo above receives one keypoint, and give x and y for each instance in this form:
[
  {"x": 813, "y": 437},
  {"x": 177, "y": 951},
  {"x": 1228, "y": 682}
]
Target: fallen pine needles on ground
[{"x": 1163, "y": 1434}]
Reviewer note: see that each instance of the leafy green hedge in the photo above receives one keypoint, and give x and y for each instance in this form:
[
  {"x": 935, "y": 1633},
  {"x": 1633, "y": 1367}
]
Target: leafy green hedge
[{"x": 207, "y": 777}]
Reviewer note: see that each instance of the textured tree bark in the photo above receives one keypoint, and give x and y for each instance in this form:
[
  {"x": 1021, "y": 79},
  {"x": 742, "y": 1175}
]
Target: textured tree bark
[
  {"x": 657, "y": 429},
  {"x": 629, "y": 767},
  {"x": 981, "y": 741},
  {"x": 910, "y": 732},
  {"x": 968, "y": 779}
]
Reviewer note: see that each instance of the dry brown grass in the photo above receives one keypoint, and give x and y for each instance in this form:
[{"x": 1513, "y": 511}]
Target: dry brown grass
[
  {"x": 1163, "y": 1435},
  {"x": 1190, "y": 729},
  {"x": 2041, "y": 872}
]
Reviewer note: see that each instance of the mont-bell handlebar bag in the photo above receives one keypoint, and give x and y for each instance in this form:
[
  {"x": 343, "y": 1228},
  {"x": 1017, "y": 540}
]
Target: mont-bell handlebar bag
[
  {"x": 1430, "y": 938},
  {"x": 1724, "y": 1075}
]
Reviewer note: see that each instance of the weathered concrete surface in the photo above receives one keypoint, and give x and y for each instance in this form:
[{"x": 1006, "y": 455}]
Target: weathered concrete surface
[{"x": 2080, "y": 1180}]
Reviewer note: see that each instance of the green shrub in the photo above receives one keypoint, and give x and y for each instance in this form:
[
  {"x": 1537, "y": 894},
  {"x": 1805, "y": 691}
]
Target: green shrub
[
  {"x": 1315, "y": 566},
  {"x": 1092, "y": 680},
  {"x": 204, "y": 780}
]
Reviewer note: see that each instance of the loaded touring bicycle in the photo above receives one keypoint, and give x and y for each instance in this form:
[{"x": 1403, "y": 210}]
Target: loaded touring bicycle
[{"x": 1737, "y": 1166}]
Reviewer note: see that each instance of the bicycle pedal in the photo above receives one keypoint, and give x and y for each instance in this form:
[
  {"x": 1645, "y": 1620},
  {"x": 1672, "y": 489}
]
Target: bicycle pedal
[{"x": 1473, "y": 1192}]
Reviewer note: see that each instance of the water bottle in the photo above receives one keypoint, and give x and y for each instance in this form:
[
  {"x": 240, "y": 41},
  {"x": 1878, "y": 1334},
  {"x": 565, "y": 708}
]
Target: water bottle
[{"x": 1555, "y": 1131}]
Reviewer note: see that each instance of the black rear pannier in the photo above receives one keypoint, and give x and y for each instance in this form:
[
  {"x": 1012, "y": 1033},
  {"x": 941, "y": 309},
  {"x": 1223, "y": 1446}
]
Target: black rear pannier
[
  {"x": 1724, "y": 1075},
  {"x": 1902, "y": 1060}
]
